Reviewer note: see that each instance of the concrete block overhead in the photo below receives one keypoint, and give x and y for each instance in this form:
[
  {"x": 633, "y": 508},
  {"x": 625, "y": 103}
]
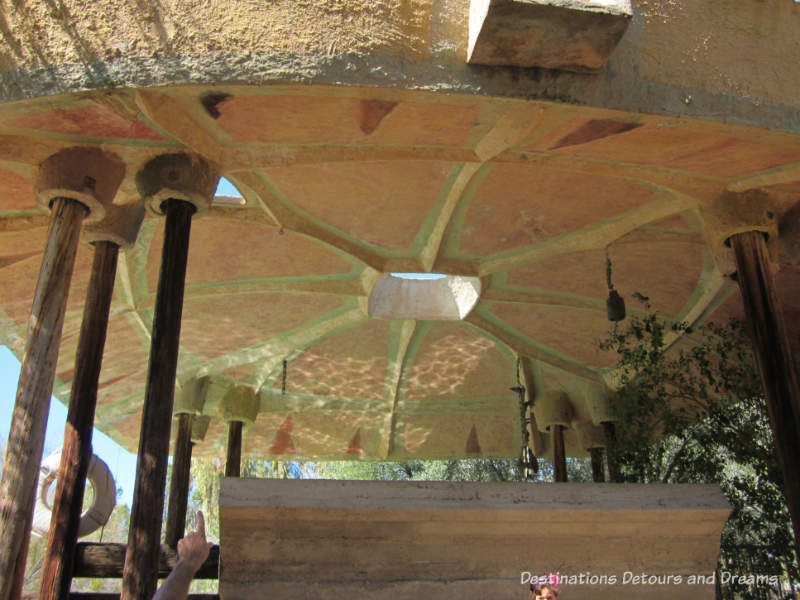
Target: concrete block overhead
[
  {"x": 398, "y": 540},
  {"x": 572, "y": 35}
]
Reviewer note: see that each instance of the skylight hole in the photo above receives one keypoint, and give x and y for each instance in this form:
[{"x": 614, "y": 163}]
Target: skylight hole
[
  {"x": 423, "y": 296},
  {"x": 227, "y": 193},
  {"x": 418, "y": 275}
]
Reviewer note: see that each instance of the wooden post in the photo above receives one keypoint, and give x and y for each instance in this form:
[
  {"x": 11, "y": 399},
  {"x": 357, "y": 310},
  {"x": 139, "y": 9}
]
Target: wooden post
[
  {"x": 179, "y": 484},
  {"x": 774, "y": 359},
  {"x": 234, "y": 462},
  {"x": 611, "y": 439},
  {"x": 598, "y": 473},
  {"x": 141, "y": 559},
  {"x": 26, "y": 437},
  {"x": 559, "y": 457},
  {"x": 77, "y": 449}
]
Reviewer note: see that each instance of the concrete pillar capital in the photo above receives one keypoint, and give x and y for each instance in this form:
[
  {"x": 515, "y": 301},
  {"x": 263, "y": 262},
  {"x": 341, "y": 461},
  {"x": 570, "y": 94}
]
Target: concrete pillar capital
[
  {"x": 185, "y": 177},
  {"x": 738, "y": 212},
  {"x": 553, "y": 407},
  {"x": 88, "y": 175},
  {"x": 241, "y": 403},
  {"x": 190, "y": 397},
  {"x": 200, "y": 425},
  {"x": 598, "y": 403},
  {"x": 120, "y": 225},
  {"x": 590, "y": 436}
]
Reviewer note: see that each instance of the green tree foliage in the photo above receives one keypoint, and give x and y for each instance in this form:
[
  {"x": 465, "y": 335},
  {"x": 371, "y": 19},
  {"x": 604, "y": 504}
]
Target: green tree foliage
[
  {"x": 696, "y": 414},
  {"x": 116, "y": 530},
  {"x": 468, "y": 469}
]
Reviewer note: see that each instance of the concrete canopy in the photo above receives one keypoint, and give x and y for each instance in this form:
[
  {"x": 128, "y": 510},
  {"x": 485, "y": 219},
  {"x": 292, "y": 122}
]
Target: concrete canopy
[{"x": 371, "y": 155}]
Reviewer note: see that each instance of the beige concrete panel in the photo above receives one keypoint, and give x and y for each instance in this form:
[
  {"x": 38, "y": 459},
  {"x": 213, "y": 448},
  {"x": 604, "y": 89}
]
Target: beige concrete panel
[
  {"x": 517, "y": 206},
  {"x": 462, "y": 540},
  {"x": 381, "y": 203},
  {"x": 454, "y": 361},
  {"x": 423, "y": 436},
  {"x": 240, "y": 321},
  {"x": 89, "y": 120},
  {"x": 668, "y": 273},
  {"x": 223, "y": 250},
  {"x": 17, "y": 191},
  {"x": 124, "y": 361},
  {"x": 569, "y": 331},
  {"x": 329, "y": 434},
  {"x": 324, "y": 368},
  {"x": 372, "y": 119},
  {"x": 688, "y": 149}
]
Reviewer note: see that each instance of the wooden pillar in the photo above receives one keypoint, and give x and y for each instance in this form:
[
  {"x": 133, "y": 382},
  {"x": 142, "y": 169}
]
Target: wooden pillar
[
  {"x": 233, "y": 464},
  {"x": 611, "y": 439},
  {"x": 77, "y": 448},
  {"x": 141, "y": 559},
  {"x": 598, "y": 473},
  {"x": 774, "y": 359},
  {"x": 26, "y": 437},
  {"x": 559, "y": 457},
  {"x": 179, "y": 484}
]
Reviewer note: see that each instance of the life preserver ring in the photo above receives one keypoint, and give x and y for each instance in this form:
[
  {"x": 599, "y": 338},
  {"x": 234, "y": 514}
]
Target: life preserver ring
[{"x": 105, "y": 495}]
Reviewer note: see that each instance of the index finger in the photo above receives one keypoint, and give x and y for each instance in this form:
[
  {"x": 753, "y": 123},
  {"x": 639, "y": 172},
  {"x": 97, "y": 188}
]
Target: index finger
[{"x": 201, "y": 523}]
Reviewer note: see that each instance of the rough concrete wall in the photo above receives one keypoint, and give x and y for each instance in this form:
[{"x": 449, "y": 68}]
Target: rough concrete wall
[
  {"x": 747, "y": 48},
  {"x": 720, "y": 59}
]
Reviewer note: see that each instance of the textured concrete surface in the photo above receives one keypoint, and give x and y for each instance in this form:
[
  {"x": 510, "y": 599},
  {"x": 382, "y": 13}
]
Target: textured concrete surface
[
  {"x": 390, "y": 540},
  {"x": 345, "y": 184},
  {"x": 716, "y": 59},
  {"x": 571, "y": 35}
]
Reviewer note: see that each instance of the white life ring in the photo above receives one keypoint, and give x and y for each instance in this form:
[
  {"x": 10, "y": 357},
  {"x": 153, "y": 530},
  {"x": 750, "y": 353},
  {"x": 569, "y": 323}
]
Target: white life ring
[{"x": 105, "y": 496}]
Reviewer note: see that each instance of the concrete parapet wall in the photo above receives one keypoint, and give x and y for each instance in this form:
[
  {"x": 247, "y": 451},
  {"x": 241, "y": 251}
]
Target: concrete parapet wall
[{"x": 333, "y": 539}]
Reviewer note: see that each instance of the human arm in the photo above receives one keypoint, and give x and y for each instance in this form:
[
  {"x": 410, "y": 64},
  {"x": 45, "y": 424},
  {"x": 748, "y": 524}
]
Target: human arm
[{"x": 192, "y": 553}]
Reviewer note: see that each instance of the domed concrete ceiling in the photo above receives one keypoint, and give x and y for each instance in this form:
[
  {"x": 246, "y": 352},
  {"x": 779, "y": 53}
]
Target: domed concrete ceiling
[{"x": 341, "y": 185}]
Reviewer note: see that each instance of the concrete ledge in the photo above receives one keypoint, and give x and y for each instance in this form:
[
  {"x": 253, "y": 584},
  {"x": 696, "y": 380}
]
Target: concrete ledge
[{"x": 332, "y": 539}]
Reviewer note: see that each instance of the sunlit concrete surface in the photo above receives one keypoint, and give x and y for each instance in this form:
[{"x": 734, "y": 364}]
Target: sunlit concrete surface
[{"x": 404, "y": 541}]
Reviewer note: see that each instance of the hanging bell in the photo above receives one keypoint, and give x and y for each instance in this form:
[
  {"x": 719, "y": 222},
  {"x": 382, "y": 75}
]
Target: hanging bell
[{"x": 615, "y": 306}]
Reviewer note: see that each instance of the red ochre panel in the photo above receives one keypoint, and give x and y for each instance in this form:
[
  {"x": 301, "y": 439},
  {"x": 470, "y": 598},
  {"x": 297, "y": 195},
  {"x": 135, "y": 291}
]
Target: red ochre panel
[
  {"x": 224, "y": 250},
  {"x": 214, "y": 326},
  {"x": 382, "y": 203},
  {"x": 17, "y": 191},
  {"x": 667, "y": 273},
  {"x": 91, "y": 121},
  {"x": 455, "y": 362},
  {"x": 305, "y": 119},
  {"x": 324, "y": 433},
  {"x": 574, "y": 332},
  {"x": 443, "y": 436},
  {"x": 323, "y": 369},
  {"x": 518, "y": 206}
]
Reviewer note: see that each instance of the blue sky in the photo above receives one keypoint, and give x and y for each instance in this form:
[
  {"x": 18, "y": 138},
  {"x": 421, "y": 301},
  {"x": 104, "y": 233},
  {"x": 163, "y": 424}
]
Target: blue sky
[{"x": 121, "y": 462}]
